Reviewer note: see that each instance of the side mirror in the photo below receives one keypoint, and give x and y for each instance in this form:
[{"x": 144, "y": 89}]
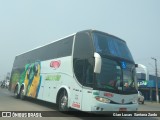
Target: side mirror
[{"x": 98, "y": 63}]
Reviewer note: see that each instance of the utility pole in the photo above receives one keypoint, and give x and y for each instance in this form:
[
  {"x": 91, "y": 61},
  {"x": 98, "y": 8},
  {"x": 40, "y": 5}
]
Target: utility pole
[{"x": 157, "y": 92}]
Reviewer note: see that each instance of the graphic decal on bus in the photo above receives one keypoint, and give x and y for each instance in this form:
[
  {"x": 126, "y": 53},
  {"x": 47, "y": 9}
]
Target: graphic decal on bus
[
  {"x": 33, "y": 79},
  {"x": 53, "y": 77},
  {"x": 30, "y": 77},
  {"x": 14, "y": 79}
]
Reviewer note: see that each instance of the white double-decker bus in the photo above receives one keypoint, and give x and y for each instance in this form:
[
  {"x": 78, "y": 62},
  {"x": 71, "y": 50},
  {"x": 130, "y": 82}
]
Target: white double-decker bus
[{"x": 88, "y": 71}]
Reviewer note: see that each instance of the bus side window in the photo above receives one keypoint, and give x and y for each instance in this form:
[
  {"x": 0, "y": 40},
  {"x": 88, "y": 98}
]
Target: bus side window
[
  {"x": 83, "y": 52},
  {"x": 88, "y": 74},
  {"x": 78, "y": 69},
  {"x": 84, "y": 72}
]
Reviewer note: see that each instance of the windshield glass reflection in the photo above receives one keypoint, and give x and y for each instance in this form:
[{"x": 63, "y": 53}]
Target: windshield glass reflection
[
  {"x": 110, "y": 45},
  {"x": 115, "y": 77}
]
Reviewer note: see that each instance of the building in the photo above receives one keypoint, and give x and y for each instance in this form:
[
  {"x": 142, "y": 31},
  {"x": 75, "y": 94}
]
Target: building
[{"x": 148, "y": 87}]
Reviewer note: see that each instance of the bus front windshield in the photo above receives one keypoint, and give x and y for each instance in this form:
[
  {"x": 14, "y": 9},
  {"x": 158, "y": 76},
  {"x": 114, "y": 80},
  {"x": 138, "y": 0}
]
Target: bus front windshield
[
  {"x": 117, "y": 69},
  {"x": 116, "y": 76}
]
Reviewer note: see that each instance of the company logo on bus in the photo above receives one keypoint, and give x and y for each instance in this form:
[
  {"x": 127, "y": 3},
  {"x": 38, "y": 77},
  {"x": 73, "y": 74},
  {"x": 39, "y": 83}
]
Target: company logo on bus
[{"x": 55, "y": 64}]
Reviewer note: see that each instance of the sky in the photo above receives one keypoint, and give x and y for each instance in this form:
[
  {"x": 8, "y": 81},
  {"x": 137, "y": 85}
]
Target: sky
[{"x": 26, "y": 24}]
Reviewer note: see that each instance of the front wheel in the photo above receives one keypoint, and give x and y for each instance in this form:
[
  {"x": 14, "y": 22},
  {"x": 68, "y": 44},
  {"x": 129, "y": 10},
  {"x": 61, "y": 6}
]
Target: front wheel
[{"x": 63, "y": 101}]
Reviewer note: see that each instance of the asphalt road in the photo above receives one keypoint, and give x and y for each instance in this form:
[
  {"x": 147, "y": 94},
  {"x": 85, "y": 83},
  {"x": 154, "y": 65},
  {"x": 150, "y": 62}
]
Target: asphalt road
[{"x": 9, "y": 103}]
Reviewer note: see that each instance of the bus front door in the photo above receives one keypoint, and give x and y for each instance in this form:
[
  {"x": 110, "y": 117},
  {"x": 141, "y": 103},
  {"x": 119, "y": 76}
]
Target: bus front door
[
  {"x": 87, "y": 98},
  {"x": 76, "y": 101}
]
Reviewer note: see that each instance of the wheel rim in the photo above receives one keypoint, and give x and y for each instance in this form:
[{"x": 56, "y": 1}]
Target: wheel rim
[
  {"x": 22, "y": 94},
  {"x": 16, "y": 92},
  {"x": 63, "y": 103}
]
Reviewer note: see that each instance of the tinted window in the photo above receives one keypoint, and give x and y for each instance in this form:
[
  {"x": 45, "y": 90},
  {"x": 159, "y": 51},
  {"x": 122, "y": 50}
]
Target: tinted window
[
  {"x": 84, "y": 71},
  {"x": 110, "y": 73},
  {"x": 83, "y": 48},
  {"x": 109, "y": 45},
  {"x": 57, "y": 49},
  {"x": 83, "y": 58},
  {"x": 115, "y": 77}
]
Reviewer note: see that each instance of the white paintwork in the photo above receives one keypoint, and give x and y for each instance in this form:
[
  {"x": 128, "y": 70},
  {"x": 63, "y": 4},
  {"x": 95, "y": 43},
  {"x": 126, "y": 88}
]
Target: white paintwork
[
  {"x": 87, "y": 99},
  {"x": 79, "y": 97},
  {"x": 48, "y": 89}
]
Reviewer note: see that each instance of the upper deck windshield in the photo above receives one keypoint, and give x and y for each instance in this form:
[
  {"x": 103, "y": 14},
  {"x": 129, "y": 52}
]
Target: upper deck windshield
[{"x": 110, "y": 45}]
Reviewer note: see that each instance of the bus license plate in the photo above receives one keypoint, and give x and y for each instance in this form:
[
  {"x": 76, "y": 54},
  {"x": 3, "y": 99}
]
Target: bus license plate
[{"x": 122, "y": 109}]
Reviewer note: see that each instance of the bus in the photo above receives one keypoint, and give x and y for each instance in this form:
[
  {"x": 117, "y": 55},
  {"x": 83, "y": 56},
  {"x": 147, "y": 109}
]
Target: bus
[{"x": 88, "y": 71}]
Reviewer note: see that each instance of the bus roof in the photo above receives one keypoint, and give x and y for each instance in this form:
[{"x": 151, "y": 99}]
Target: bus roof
[
  {"x": 89, "y": 30},
  {"x": 46, "y": 44}
]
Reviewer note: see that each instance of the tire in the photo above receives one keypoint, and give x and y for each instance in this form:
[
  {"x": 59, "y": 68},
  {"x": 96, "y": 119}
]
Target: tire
[
  {"x": 63, "y": 101},
  {"x": 22, "y": 94},
  {"x": 16, "y": 95},
  {"x": 143, "y": 102}
]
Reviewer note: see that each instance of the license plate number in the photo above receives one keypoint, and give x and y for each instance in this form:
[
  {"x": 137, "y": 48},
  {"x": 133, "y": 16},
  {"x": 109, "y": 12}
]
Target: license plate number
[{"x": 122, "y": 109}]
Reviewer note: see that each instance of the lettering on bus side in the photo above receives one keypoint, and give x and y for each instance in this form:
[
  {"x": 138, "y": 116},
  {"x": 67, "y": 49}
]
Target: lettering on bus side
[{"x": 53, "y": 77}]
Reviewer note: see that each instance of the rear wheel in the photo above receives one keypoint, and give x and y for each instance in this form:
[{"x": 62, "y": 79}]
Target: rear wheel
[
  {"x": 16, "y": 92},
  {"x": 63, "y": 101},
  {"x": 22, "y": 94}
]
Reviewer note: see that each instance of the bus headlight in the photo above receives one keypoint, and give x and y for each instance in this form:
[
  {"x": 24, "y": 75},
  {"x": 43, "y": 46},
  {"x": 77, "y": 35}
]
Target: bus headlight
[{"x": 101, "y": 99}]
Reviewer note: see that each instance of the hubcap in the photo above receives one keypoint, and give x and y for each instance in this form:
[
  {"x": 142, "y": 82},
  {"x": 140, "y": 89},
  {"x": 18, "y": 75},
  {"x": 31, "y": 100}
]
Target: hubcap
[
  {"x": 64, "y": 102},
  {"x": 16, "y": 92},
  {"x": 22, "y": 94}
]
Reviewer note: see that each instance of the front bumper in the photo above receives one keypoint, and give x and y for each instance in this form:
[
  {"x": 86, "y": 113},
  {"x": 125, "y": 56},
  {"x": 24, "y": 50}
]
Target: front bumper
[{"x": 107, "y": 107}]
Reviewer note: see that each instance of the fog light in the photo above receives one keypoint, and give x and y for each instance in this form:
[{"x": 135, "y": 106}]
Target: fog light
[{"x": 101, "y": 99}]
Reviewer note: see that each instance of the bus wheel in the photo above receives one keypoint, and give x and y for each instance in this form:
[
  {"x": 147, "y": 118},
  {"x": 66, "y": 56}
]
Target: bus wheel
[
  {"x": 16, "y": 95},
  {"x": 22, "y": 96},
  {"x": 63, "y": 101}
]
